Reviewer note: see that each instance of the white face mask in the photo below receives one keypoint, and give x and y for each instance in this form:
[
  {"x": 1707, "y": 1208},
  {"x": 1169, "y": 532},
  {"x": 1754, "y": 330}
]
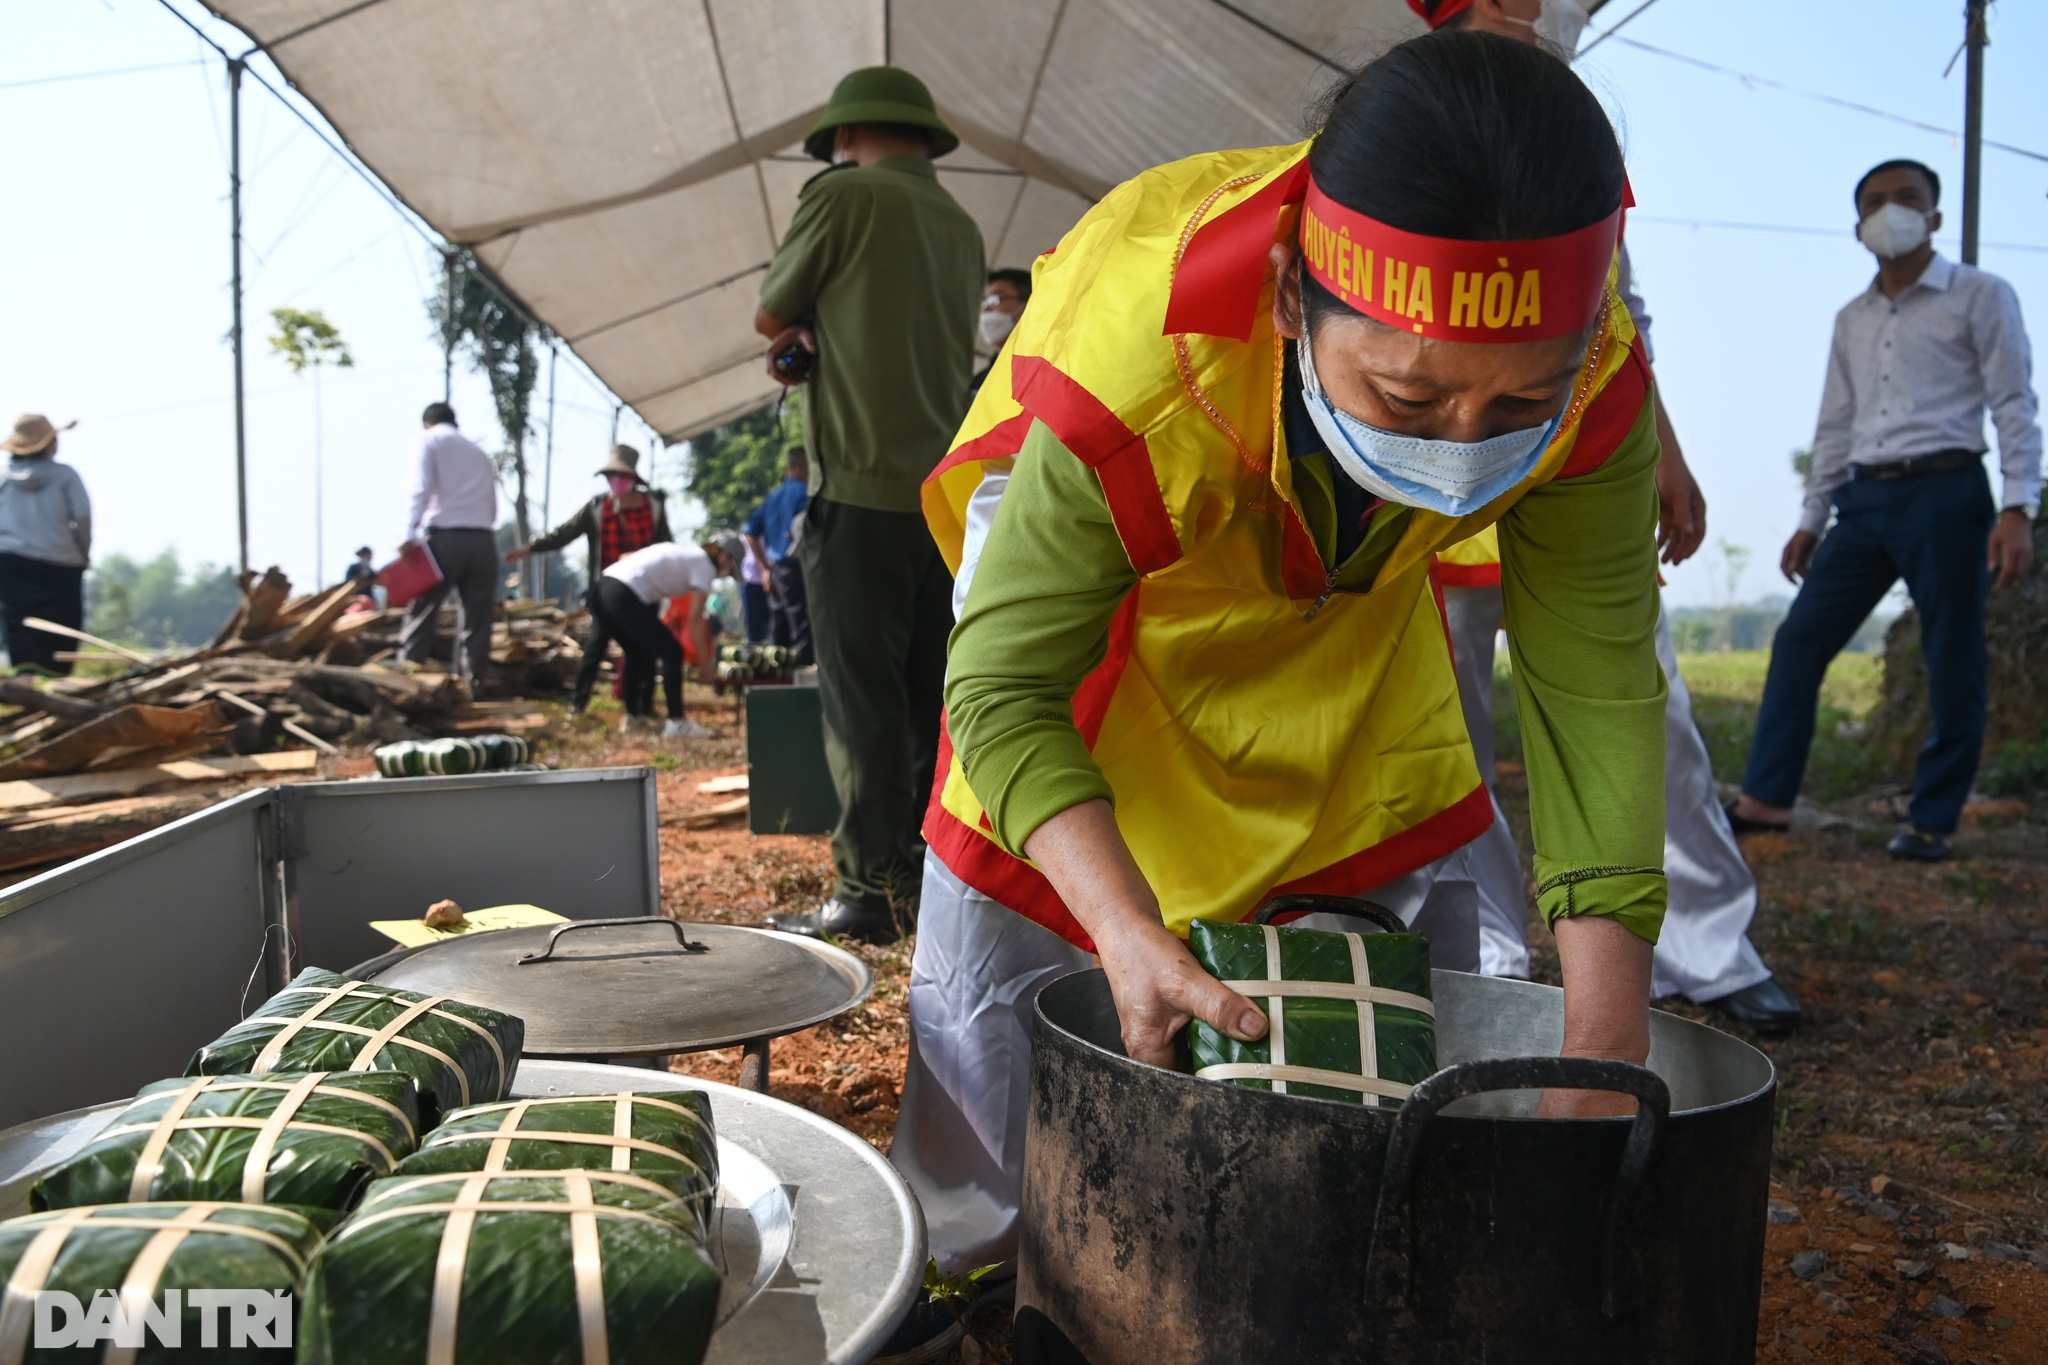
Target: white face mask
[
  {"x": 1451, "y": 477},
  {"x": 1894, "y": 231},
  {"x": 1558, "y": 26},
  {"x": 996, "y": 326}
]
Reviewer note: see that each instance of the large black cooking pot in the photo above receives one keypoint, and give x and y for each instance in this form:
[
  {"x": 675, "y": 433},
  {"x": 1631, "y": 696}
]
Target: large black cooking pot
[{"x": 1172, "y": 1219}]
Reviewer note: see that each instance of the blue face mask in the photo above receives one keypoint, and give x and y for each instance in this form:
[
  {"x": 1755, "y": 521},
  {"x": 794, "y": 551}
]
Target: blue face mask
[{"x": 1451, "y": 477}]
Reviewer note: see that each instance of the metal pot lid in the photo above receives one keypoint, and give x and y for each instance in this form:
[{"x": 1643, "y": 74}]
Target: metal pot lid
[{"x": 636, "y": 987}]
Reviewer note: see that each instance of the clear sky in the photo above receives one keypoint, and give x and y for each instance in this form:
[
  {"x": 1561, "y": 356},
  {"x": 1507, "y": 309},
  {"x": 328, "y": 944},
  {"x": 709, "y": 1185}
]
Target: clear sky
[{"x": 114, "y": 301}]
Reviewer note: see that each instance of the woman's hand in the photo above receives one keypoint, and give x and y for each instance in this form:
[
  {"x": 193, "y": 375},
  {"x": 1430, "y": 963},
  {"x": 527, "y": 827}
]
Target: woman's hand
[
  {"x": 1156, "y": 983},
  {"x": 1158, "y": 986},
  {"x": 1606, "y": 1009}
]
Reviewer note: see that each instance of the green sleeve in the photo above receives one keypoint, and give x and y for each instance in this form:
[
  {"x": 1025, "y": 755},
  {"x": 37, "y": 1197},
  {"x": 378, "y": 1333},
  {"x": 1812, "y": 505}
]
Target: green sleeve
[
  {"x": 578, "y": 525},
  {"x": 1050, "y": 577},
  {"x": 810, "y": 254},
  {"x": 1579, "y": 579}
]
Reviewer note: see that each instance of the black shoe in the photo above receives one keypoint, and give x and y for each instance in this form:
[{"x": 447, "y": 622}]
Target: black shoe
[
  {"x": 1766, "y": 1008},
  {"x": 1742, "y": 824},
  {"x": 841, "y": 919},
  {"x": 1917, "y": 845}
]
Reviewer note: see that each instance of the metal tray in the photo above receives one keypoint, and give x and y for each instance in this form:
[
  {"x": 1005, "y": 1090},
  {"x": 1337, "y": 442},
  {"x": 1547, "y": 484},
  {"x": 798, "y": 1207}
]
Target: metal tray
[{"x": 820, "y": 1240}]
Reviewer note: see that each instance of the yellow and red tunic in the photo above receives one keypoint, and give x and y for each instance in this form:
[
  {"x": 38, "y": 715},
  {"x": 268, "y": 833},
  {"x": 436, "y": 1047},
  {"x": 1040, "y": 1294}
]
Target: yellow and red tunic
[{"x": 1262, "y": 722}]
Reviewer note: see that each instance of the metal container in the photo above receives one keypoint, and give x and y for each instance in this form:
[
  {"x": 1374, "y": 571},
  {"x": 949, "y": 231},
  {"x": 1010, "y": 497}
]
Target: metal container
[
  {"x": 1167, "y": 1218},
  {"x": 118, "y": 964},
  {"x": 818, "y": 1237}
]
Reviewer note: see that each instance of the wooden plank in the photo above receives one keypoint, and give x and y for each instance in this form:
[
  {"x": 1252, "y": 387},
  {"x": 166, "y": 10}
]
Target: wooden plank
[
  {"x": 72, "y": 831},
  {"x": 130, "y": 728},
  {"x": 22, "y": 692},
  {"x": 261, "y": 605},
  {"x": 715, "y": 815},
  {"x": 324, "y": 612},
  {"x": 719, "y": 786},
  {"x": 31, "y": 793}
]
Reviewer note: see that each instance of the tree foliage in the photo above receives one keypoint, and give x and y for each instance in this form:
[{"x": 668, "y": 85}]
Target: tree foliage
[
  {"x": 734, "y": 466},
  {"x": 156, "y": 603},
  {"x": 499, "y": 338},
  {"x": 308, "y": 338}
]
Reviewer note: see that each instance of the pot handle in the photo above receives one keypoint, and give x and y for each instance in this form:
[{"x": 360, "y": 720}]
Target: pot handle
[
  {"x": 1387, "y": 1261},
  {"x": 1356, "y": 907},
  {"x": 570, "y": 928}
]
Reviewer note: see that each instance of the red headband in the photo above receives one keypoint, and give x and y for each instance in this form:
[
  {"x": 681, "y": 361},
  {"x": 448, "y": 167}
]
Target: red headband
[
  {"x": 1457, "y": 290},
  {"x": 1437, "y": 13}
]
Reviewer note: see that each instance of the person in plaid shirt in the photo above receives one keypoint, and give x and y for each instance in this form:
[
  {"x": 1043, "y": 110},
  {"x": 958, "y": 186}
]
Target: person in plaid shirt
[{"x": 629, "y": 515}]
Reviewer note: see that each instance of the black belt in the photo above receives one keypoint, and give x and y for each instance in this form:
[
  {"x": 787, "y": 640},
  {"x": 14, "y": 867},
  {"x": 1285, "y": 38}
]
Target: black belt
[{"x": 1913, "y": 466}]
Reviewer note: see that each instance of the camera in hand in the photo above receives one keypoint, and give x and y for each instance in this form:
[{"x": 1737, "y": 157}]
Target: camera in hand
[{"x": 794, "y": 363}]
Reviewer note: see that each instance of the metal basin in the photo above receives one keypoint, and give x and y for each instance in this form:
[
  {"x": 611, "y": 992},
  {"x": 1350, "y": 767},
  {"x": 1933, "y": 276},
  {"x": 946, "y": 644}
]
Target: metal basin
[
  {"x": 1167, "y": 1218},
  {"x": 820, "y": 1240}
]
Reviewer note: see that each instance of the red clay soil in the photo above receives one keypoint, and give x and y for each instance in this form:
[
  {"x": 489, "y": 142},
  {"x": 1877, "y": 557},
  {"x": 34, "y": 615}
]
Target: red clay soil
[{"x": 1910, "y": 1158}]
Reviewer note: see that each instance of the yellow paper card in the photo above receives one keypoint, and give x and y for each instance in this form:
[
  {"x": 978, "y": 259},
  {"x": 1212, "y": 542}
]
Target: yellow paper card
[{"x": 410, "y": 933}]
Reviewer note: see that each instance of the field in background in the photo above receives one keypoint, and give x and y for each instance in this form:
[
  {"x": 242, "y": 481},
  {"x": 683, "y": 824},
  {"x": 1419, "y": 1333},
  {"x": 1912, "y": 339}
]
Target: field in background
[{"x": 1726, "y": 688}]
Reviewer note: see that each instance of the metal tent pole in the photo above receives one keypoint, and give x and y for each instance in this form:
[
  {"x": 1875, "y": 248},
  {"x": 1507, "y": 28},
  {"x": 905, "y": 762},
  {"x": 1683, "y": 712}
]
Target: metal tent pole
[
  {"x": 447, "y": 324},
  {"x": 547, "y": 478},
  {"x": 319, "y": 492},
  {"x": 1975, "y": 40},
  {"x": 235, "y": 235}
]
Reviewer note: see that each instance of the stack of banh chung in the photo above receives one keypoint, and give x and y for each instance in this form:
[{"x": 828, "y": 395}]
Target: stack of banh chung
[{"x": 570, "y": 1228}]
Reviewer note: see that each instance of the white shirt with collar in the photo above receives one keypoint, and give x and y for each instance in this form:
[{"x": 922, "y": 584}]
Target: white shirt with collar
[
  {"x": 1914, "y": 375},
  {"x": 457, "y": 488}
]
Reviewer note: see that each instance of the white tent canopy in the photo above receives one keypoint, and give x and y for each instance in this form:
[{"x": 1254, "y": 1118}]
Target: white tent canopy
[{"x": 627, "y": 166}]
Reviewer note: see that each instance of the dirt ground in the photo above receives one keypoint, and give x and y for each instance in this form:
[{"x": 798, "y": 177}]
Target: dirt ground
[{"x": 1908, "y": 1215}]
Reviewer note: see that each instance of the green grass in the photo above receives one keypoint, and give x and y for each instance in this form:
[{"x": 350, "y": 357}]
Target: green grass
[{"x": 1726, "y": 688}]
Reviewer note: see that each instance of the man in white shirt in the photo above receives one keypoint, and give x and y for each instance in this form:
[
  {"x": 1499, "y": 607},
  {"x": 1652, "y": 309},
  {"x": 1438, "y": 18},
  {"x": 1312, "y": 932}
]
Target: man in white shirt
[
  {"x": 1917, "y": 359},
  {"x": 454, "y": 514}
]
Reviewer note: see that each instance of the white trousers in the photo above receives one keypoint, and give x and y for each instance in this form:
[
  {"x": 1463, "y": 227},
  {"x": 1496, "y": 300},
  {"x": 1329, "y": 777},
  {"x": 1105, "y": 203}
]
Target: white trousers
[
  {"x": 967, "y": 1086},
  {"x": 1704, "y": 952}
]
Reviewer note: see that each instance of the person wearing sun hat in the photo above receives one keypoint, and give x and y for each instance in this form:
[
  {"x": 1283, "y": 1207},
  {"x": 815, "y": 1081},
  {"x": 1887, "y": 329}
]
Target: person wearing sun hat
[
  {"x": 629, "y": 515},
  {"x": 875, "y": 291},
  {"x": 45, "y": 545}
]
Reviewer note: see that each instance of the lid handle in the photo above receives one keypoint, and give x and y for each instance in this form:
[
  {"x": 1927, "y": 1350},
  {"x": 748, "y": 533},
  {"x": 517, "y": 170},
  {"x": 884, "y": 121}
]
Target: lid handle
[{"x": 555, "y": 937}]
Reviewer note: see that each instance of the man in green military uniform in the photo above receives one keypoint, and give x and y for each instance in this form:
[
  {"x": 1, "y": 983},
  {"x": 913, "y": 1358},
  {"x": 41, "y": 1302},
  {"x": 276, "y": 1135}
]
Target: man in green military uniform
[{"x": 877, "y": 286}]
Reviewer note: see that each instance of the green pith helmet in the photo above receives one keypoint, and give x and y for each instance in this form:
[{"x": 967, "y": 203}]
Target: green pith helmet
[{"x": 879, "y": 94}]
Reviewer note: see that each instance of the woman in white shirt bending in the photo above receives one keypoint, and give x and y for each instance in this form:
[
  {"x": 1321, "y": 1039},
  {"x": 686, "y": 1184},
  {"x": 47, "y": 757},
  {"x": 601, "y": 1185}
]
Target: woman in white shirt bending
[{"x": 628, "y": 603}]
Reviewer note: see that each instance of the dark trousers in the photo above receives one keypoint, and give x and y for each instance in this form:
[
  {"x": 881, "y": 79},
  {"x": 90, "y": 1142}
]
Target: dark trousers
[
  {"x": 757, "y": 613},
  {"x": 648, "y": 644},
  {"x": 1931, "y": 531},
  {"x": 597, "y": 642},
  {"x": 36, "y": 587},
  {"x": 792, "y": 609},
  {"x": 469, "y": 568},
  {"x": 880, "y": 607}
]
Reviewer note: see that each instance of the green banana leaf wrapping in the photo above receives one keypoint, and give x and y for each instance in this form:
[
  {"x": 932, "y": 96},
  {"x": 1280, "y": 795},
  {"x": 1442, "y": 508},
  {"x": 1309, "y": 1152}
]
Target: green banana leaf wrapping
[
  {"x": 456, "y": 1054},
  {"x": 665, "y": 1136},
  {"x": 1321, "y": 1032},
  {"x": 311, "y": 1141},
  {"x": 521, "y": 1267},
  {"x": 152, "y": 1249}
]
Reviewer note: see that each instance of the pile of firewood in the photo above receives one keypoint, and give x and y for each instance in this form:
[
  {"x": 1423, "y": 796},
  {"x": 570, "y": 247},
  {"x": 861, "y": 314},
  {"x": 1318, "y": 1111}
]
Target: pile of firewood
[{"x": 285, "y": 681}]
